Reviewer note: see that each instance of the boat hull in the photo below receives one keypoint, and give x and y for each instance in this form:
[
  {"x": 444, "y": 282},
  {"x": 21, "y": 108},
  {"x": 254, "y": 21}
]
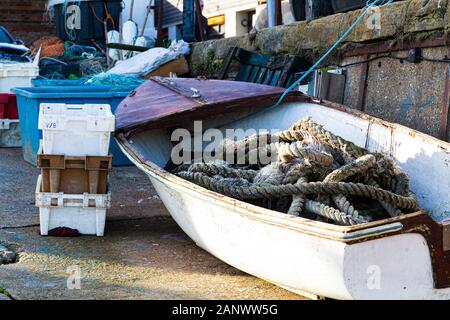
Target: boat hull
[
  {"x": 397, "y": 258},
  {"x": 297, "y": 261},
  {"x": 395, "y": 267}
]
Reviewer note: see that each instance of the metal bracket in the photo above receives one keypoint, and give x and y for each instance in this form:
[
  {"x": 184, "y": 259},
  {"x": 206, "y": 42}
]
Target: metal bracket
[{"x": 191, "y": 93}]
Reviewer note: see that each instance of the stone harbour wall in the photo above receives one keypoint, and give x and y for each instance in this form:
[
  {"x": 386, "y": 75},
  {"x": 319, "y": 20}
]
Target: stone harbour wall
[
  {"x": 406, "y": 93},
  {"x": 412, "y": 94}
]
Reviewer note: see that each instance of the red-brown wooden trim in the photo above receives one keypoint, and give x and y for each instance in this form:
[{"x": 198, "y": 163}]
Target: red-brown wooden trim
[
  {"x": 278, "y": 13},
  {"x": 443, "y": 127}
]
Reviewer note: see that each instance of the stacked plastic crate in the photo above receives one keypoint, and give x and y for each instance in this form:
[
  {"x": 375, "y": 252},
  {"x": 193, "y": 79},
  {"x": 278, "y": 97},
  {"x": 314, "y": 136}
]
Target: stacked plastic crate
[
  {"x": 12, "y": 75},
  {"x": 72, "y": 190}
]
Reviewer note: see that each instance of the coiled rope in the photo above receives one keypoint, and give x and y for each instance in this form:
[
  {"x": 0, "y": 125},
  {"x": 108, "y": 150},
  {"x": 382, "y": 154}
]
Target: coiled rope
[
  {"x": 249, "y": 191},
  {"x": 322, "y": 174}
]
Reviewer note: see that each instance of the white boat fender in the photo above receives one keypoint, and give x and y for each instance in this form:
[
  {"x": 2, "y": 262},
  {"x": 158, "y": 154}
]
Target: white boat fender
[
  {"x": 130, "y": 29},
  {"x": 130, "y": 32},
  {"x": 114, "y": 37},
  {"x": 142, "y": 40}
]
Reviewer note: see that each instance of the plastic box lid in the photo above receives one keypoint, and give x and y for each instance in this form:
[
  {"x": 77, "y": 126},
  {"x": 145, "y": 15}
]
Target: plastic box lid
[
  {"x": 56, "y": 116},
  {"x": 18, "y": 70},
  {"x": 74, "y": 92}
]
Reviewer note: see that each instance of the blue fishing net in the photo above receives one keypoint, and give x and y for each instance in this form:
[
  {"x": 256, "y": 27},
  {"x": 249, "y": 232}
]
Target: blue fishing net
[
  {"x": 114, "y": 80},
  {"x": 102, "y": 79}
]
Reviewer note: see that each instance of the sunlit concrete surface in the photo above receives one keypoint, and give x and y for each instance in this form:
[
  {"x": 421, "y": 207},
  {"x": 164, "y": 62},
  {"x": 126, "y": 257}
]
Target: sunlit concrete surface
[{"x": 144, "y": 254}]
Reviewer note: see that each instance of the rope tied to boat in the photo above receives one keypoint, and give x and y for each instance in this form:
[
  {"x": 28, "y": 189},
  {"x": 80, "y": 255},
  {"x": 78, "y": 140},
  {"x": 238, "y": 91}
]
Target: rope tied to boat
[{"x": 315, "y": 174}]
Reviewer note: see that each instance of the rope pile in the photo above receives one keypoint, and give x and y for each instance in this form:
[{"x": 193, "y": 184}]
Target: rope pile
[{"x": 314, "y": 175}]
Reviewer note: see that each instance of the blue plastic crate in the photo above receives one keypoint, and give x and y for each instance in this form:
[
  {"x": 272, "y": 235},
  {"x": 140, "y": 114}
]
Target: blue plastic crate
[{"x": 29, "y": 100}]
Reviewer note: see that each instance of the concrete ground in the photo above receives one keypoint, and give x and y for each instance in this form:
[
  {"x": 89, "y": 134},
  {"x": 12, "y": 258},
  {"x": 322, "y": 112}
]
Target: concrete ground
[{"x": 144, "y": 254}]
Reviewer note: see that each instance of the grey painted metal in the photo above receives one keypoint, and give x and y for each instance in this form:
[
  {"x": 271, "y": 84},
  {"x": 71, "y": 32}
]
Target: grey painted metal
[
  {"x": 189, "y": 21},
  {"x": 271, "y": 12}
]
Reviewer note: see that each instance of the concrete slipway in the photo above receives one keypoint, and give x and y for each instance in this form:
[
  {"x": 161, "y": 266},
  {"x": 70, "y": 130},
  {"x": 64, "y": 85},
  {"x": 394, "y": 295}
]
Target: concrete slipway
[{"x": 144, "y": 254}]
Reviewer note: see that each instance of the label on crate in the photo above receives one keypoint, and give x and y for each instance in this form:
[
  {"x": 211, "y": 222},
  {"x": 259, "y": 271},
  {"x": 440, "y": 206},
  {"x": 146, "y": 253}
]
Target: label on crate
[{"x": 51, "y": 125}]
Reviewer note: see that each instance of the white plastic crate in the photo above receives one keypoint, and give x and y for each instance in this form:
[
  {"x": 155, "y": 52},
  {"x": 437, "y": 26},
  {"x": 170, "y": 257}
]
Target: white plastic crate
[
  {"x": 83, "y": 212},
  {"x": 76, "y": 130},
  {"x": 9, "y": 133},
  {"x": 16, "y": 75}
]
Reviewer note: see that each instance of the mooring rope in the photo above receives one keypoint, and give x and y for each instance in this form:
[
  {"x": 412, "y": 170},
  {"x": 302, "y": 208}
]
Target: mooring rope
[
  {"x": 250, "y": 191},
  {"x": 318, "y": 172},
  {"x": 333, "y": 214}
]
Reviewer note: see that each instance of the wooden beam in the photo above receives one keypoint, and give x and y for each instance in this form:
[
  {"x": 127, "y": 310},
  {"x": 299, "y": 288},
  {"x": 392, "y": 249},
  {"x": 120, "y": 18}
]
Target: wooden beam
[
  {"x": 278, "y": 13},
  {"x": 127, "y": 47},
  {"x": 363, "y": 84},
  {"x": 198, "y": 16},
  {"x": 357, "y": 49},
  {"x": 443, "y": 127},
  {"x": 159, "y": 40}
]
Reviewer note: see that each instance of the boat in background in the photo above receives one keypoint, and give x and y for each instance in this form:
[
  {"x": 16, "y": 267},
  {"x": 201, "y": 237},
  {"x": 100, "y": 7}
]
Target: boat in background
[{"x": 405, "y": 257}]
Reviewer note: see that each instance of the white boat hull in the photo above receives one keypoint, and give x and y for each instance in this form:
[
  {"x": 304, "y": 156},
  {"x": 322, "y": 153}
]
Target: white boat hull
[
  {"x": 376, "y": 269},
  {"x": 302, "y": 255}
]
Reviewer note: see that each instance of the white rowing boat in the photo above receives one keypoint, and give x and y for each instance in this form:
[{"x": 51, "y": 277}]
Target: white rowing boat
[{"x": 405, "y": 257}]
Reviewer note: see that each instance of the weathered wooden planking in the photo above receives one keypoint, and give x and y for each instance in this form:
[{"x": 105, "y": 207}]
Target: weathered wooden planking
[
  {"x": 169, "y": 98},
  {"x": 257, "y": 68}
]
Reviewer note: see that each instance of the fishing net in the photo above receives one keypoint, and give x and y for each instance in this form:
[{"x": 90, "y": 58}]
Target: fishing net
[
  {"x": 10, "y": 58},
  {"x": 114, "y": 80},
  {"x": 51, "y": 47},
  {"x": 92, "y": 67},
  {"x": 75, "y": 52},
  {"x": 97, "y": 80},
  {"x": 311, "y": 174}
]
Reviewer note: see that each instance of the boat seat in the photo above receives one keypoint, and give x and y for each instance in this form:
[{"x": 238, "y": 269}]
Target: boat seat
[{"x": 278, "y": 71}]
